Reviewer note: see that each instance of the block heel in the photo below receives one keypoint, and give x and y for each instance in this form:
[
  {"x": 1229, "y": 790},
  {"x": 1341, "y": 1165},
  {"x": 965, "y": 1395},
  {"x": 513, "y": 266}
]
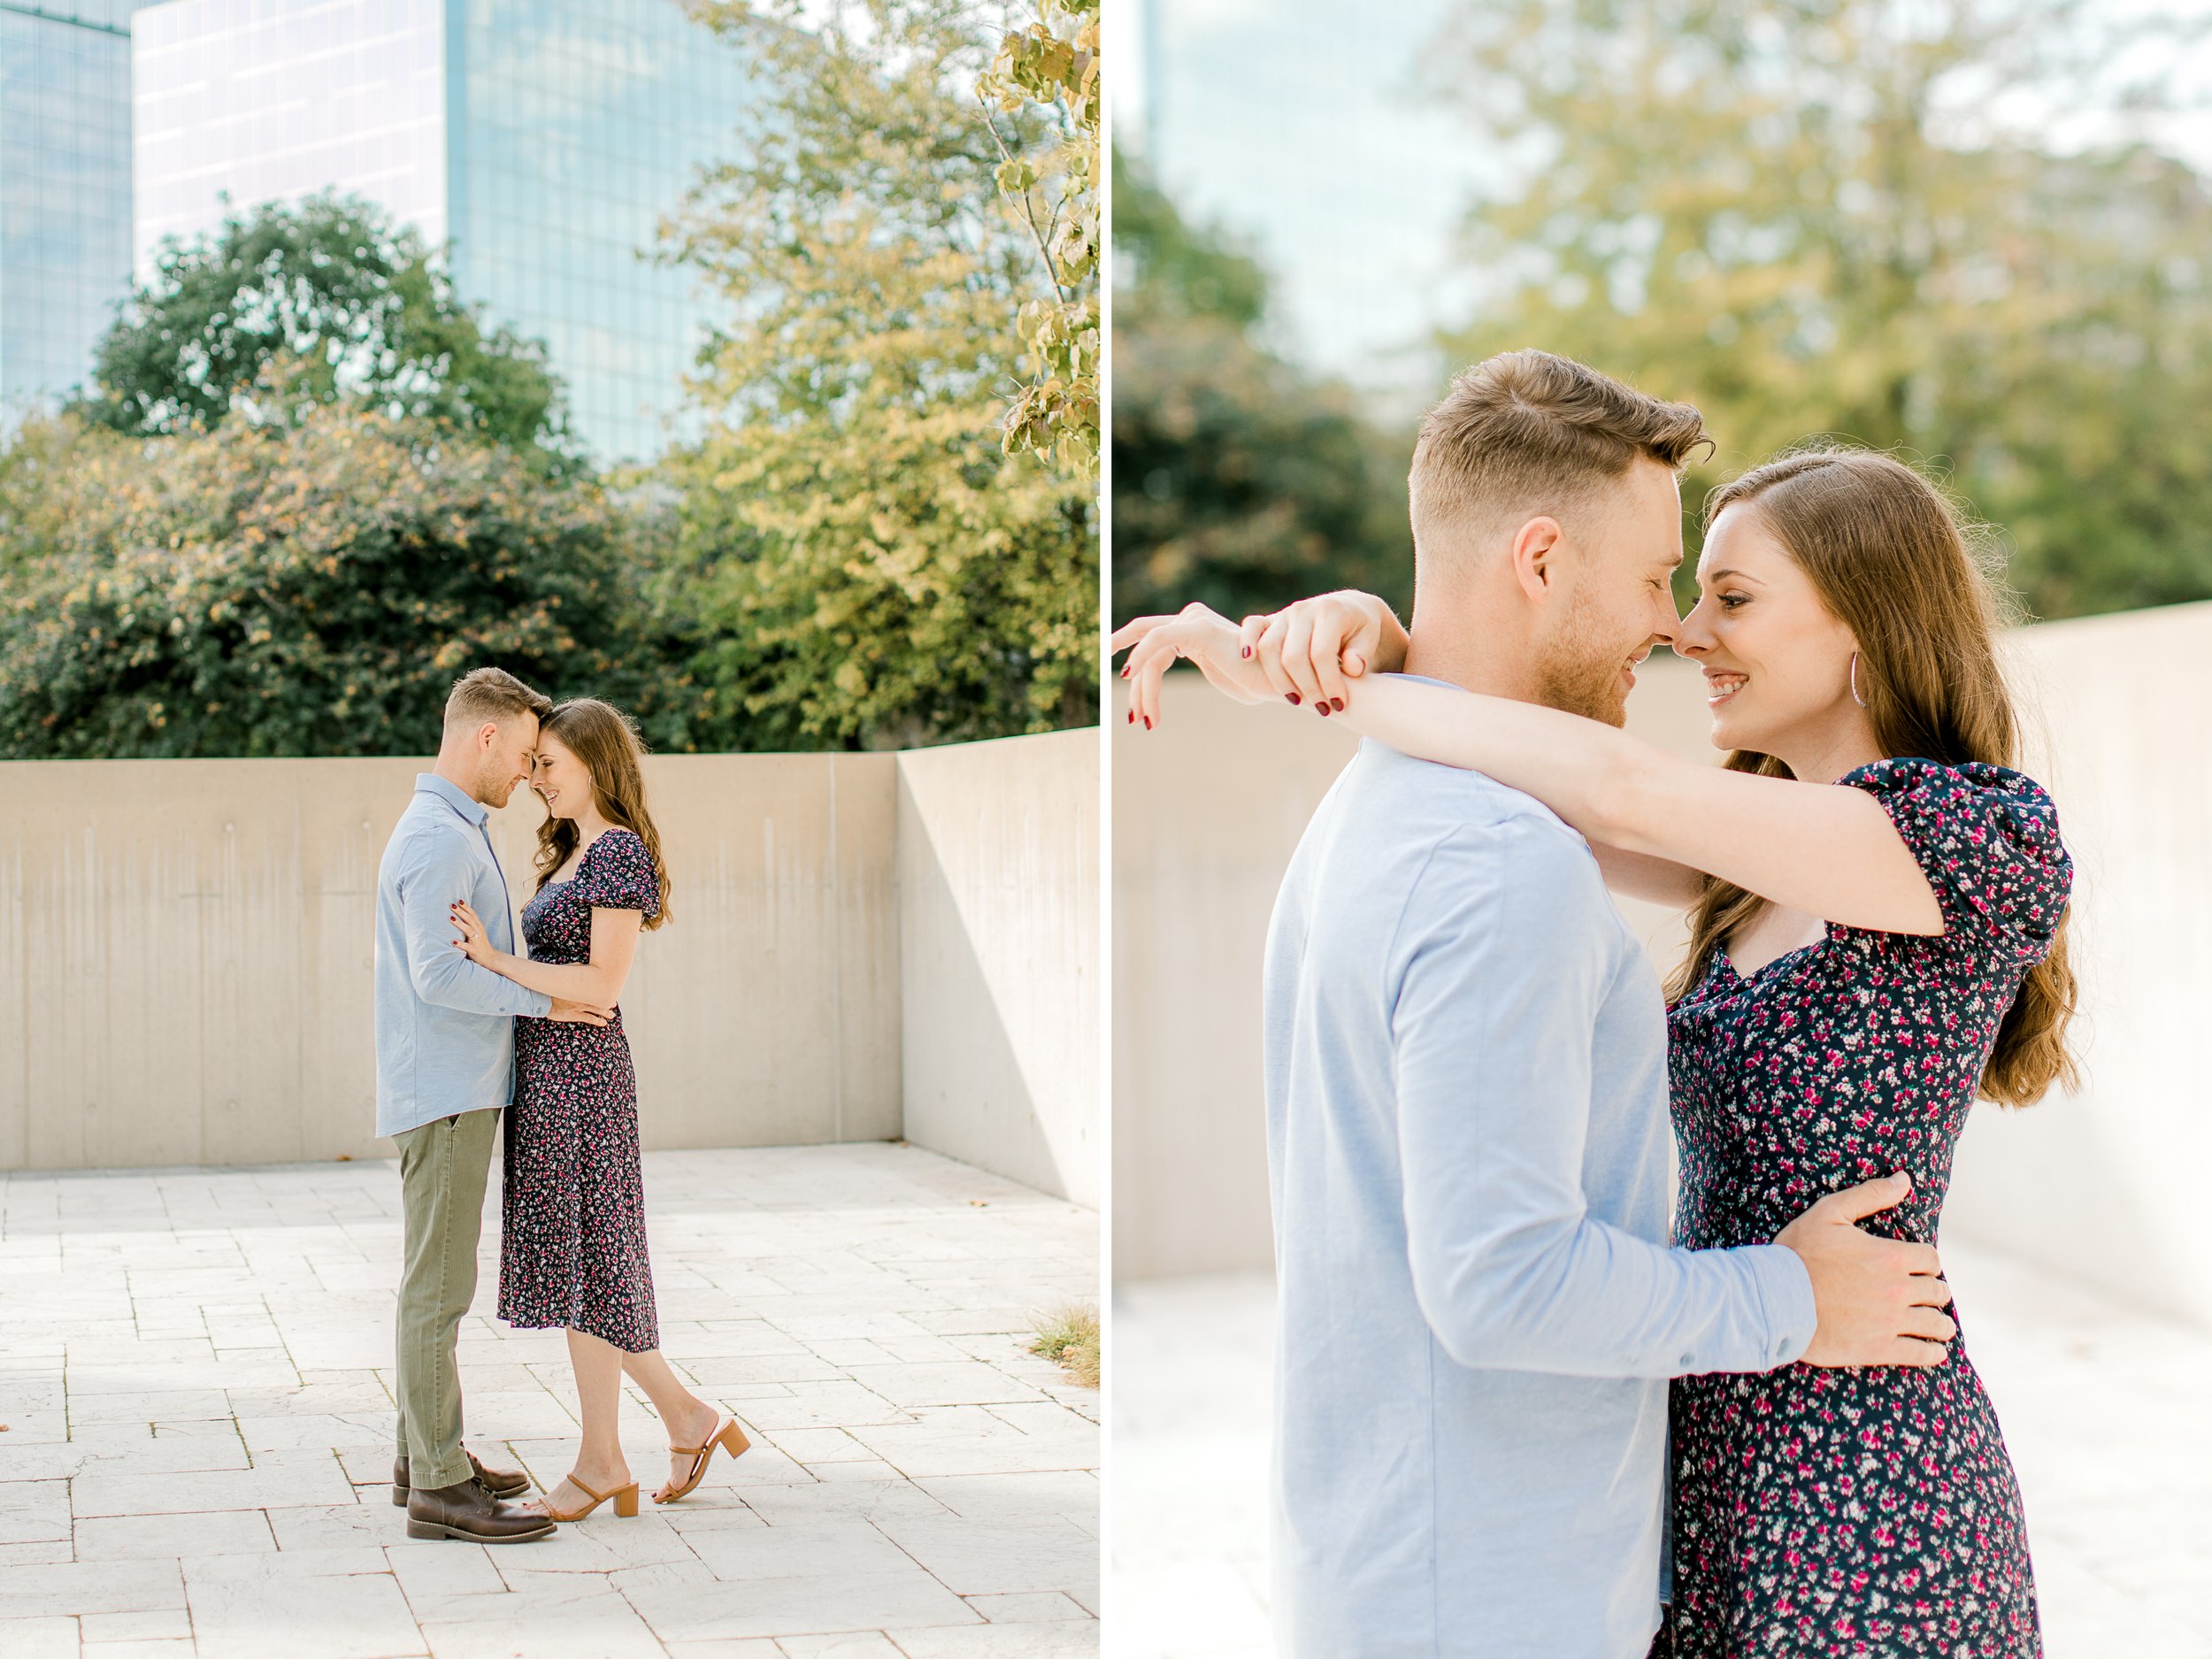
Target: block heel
[
  {"x": 729, "y": 1437},
  {"x": 625, "y": 1501}
]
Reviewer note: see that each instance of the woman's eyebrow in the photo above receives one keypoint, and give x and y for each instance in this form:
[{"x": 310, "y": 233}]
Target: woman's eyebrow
[{"x": 1722, "y": 575}]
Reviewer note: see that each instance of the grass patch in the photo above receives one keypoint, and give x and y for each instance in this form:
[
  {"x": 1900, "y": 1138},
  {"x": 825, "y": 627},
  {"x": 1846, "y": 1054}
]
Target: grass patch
[{"x": 1069, "y": 1337}]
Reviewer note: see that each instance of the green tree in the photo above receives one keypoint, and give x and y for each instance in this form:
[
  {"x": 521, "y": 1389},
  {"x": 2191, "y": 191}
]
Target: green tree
[
  {"x": 1052, "y": 66},
  {"x": 866, "y": 565},
  {"x": 1808, "y": 217},
  {"x": 1239, "y": 479},
  {"x": 355, "y": 308},
  {"x": 307, "y": 585}
]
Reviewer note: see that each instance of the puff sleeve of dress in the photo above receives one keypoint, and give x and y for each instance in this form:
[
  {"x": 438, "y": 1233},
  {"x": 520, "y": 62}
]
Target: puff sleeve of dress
[
  {"x": 1987, "y": 839},
  {"x": 617, "y": 875}
]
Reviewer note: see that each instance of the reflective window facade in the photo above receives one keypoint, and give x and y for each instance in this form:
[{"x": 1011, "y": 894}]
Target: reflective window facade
[
  {"x": 260, "y": 102},
  {"x": 64, "y": 191},
  {"x": 586, "y": 122},
  {"x": 545, "y": 139}
]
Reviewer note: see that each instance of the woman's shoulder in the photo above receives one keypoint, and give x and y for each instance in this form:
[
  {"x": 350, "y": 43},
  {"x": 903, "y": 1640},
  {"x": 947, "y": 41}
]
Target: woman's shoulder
[
  {"x": 617, "y": 845},
  {"x": 1972, "y": 786},
  {"x": 1987, "y": 837},
  {"x": 621, "y": 872}
]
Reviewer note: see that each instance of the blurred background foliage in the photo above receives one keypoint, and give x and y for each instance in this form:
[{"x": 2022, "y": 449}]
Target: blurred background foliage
[
  {"x": 307, "y": 586},
  {"x": 1807, "y": 217},
  {"x": 860, "y": 559},
  {"x": 355, "y": 307},
  {"x": 1239, "y": 478},
  {"x": 309, "y": 488}
]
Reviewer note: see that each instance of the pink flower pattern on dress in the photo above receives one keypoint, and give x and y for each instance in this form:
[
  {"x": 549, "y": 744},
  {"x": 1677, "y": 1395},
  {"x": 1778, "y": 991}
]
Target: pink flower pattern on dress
[
  {"x": 1861, "y": 1513},
  {"x": 572, "y": 1247}
]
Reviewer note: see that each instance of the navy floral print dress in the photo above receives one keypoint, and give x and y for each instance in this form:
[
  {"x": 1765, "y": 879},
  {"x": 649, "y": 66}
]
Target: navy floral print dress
[
  {"x": 572, "y": 1252},
  {"x": 1860, "y": 1513}
]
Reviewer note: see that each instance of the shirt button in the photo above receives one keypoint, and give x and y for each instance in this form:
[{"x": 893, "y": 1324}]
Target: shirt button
[{"x": 1688, "y": 1361}]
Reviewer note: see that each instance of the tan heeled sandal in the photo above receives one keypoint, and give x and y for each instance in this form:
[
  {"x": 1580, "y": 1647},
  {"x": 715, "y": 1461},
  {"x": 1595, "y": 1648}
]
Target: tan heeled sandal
[
  {"x": 625, "y": 1501},
  {"x": 729, "y": 1437}
]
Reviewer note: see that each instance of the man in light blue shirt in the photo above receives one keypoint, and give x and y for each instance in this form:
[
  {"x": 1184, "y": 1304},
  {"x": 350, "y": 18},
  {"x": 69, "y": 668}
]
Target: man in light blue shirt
[
  {"x": 445, "y": 1026},
  {"x": 445, "y": 1064},
  {"x": 1466, "y": 1099}
]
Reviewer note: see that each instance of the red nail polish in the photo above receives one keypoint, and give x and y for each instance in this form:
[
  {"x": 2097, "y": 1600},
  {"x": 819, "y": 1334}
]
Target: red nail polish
[
  {"x": 1133, "y": 716},
  {"x": 1148, "y": 723},
  {"x": 1321, "y": 709},
  {"x": 1293, "y": 698},
  {"x": 1248, "y": 650},
  {"x": 1336, "y": 704}
]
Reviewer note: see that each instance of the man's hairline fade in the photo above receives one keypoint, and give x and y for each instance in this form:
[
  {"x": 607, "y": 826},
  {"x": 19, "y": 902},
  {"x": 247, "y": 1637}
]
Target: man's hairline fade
[
  {"x": 1561, "y": 434},
  {"x": 491, "y": 696},
  {"x": 1570, "y": 509}
]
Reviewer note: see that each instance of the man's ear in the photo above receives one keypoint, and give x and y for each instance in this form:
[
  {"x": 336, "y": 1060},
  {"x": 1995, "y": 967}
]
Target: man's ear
[
  {"x": 1535, "y": 555},
  {"x": 488, "y": 735}
]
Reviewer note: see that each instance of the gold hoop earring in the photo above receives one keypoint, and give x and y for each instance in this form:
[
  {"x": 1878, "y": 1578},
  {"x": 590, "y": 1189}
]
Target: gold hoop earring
[{"x": 1854, "y": 681}]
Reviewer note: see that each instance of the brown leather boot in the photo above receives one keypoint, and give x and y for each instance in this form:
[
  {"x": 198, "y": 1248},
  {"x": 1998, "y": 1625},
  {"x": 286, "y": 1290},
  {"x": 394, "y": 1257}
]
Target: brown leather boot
[
  {"x": 502, "y": 1483},
  {"x": 470, "y": 1513}
]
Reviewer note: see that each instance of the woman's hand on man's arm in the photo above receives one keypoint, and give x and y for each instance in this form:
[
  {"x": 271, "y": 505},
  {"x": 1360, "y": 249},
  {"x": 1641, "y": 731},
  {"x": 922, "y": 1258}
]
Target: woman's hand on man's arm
[{"x": 562, "y": 986}]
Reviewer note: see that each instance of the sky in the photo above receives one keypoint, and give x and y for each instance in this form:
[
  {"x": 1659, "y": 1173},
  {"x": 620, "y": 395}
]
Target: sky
[{"x": 1297, "y": 125}]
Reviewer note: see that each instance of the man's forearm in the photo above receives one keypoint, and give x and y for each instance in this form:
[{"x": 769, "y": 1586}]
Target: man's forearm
[
  {"x": 1581, "y": 1298},
  {"x": 449, "y": 980}
]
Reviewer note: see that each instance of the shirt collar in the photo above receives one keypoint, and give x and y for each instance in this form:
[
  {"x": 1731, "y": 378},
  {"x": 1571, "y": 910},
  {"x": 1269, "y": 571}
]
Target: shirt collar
[{"x": 459, "y": 799}]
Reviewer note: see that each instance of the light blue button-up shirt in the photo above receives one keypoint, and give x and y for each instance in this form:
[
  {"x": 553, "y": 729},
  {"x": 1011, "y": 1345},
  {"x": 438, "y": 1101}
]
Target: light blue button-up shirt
[
  {"x": 445, "y": 1034},
  {"x": 1469, "y": 1156}
]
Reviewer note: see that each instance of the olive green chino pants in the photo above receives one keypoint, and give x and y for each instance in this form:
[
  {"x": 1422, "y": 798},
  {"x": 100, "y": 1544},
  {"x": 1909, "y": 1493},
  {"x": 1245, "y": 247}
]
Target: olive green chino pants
[{"x": 443, "y": 1167}]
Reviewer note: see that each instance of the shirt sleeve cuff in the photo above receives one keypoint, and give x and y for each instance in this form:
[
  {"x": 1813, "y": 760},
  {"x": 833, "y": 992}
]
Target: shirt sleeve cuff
[
  {"x": 540, "y": 1005},
  {"x": 1785, "y": 1297}
]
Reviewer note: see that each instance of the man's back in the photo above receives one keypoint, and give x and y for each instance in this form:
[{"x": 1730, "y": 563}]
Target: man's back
[{"x": 1468, "y": 1162}]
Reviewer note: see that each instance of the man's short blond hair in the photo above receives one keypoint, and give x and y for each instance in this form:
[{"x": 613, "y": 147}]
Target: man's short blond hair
[
  {"x": 492, "y": 694},
  {"x": 1526, "y": 433}
]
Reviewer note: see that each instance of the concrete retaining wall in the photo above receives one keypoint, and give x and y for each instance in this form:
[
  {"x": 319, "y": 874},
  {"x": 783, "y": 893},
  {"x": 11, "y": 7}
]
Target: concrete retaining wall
[
  {"x": 999, "y": 947},
  {"x": 2106, "y": 1185},
  {"x": 2110, "y": 1184},
  {"x": 186, "y": 951}
]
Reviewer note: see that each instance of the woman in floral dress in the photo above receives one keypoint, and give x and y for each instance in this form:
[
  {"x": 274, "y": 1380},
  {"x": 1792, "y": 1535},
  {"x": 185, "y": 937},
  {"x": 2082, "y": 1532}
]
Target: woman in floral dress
[
  {"x": 573, "y": 1248},
  {"x": 1876, "y": 903}
]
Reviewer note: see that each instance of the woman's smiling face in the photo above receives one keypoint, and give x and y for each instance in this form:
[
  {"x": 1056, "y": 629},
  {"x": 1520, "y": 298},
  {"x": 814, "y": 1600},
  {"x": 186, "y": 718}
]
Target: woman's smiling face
[
  {"x": 563, "y": 781},
  {"x": 1777, "y": 660}
]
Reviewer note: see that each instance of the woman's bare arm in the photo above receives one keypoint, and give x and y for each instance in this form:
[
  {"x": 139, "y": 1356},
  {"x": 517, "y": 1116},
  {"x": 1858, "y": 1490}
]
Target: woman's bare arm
[
  {"x": 1826, "y": 849},
  {"x": 1641, "y": 876},
  {"x": 614, "y": 935}
]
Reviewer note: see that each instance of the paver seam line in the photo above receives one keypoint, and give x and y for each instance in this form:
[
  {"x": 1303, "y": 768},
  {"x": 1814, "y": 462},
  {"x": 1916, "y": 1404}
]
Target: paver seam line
[
  {"x": 933, "y": 1578},
  {"x": 623, "y": 1591},
  {"x": 244, "y": 1449},
  {"x": 906, "y": 1482}
]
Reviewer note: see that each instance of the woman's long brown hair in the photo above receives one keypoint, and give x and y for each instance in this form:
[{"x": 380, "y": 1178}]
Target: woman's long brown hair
[
  {"x": 1887, "y": 554},
  {"x": 601, "y": 737}
]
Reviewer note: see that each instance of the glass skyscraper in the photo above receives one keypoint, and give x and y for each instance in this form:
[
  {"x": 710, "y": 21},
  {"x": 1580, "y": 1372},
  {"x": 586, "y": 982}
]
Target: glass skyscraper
[
  {"x": 544, "y": 139},
  {"x": 64, "y": 191}
]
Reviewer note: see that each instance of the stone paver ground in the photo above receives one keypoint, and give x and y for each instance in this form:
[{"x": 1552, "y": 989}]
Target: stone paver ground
[
  {"x": 2102, "y": 1408},
  {"x": 195, "y": 1371}
]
